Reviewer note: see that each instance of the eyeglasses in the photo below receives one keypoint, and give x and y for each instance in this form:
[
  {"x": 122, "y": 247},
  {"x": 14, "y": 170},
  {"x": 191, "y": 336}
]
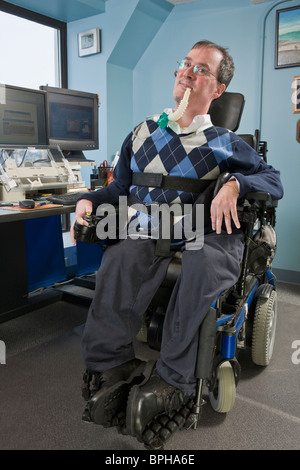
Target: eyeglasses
[{"x": 199, "y": 69}]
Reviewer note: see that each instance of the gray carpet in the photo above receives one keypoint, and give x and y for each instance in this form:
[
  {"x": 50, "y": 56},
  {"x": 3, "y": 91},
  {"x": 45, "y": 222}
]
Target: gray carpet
[{"x": 41, "y": 403}]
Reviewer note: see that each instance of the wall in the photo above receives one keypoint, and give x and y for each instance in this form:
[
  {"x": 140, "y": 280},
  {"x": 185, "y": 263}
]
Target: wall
[
  {"x": 90, "y": 73},
  {"x": 241, "y": 29},
  {"x": 149, "y": 81},
  {"x": 279, "y": 129}
]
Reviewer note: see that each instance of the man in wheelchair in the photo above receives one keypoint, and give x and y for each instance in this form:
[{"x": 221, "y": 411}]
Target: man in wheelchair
[{"x": 191, "y": 153}]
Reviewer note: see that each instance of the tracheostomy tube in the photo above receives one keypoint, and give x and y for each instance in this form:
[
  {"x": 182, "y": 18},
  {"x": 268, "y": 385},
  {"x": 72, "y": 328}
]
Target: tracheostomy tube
[{"x": 178, "y": 113}]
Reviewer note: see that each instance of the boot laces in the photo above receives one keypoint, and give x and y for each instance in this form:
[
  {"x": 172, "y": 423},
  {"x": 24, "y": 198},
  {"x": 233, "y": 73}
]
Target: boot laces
[{"x": 172, "y": 399}]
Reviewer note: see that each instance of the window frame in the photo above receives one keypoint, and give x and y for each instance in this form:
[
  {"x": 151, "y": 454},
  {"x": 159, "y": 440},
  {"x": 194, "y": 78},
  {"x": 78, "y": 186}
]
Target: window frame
[{"x": 47, "y": 21}]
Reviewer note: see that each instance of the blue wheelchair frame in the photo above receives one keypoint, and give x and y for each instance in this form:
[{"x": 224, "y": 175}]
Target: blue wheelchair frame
[
  {"x": 223, "y": 330},
  {"x": 229, "y": 342}
]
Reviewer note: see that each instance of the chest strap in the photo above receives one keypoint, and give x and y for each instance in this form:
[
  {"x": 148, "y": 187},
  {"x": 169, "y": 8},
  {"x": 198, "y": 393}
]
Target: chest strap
[{"x": 176, "y": 183}]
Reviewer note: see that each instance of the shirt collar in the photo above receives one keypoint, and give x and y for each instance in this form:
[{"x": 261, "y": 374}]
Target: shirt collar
[{"x": 199, "y": 123}]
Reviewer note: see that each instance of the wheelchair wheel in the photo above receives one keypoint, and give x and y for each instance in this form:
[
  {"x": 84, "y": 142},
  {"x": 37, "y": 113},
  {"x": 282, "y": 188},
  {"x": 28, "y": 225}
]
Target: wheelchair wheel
[
  {"x": 222, "y": 397},
  {"x": 264, "y": 327}
]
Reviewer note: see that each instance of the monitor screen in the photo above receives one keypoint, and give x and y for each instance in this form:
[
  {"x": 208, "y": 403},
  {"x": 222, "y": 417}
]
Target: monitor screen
[
  {"x": 22, "y": 117},
  {"x": 72, "y": 119}
]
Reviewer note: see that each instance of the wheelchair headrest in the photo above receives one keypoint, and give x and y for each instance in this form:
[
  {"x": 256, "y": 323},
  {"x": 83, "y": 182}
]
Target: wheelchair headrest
[{"x": 226, "y": 111}]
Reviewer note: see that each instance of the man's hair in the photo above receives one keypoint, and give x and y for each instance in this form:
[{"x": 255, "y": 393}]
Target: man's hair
[{"x": 226, "y": 68}]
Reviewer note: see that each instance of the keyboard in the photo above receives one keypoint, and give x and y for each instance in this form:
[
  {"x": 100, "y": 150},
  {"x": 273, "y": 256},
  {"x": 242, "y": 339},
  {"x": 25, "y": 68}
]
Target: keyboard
[{"x": 67, "y": 198}]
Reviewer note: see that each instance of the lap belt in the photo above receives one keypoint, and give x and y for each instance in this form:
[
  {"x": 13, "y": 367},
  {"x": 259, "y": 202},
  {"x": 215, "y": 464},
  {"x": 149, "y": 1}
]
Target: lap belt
[
  {"x": 176, "y": 183},
  {"x": 162, "y": 244}
]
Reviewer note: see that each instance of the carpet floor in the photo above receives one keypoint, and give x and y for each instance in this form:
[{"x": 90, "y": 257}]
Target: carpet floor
[{"x": 41, "y": 403}]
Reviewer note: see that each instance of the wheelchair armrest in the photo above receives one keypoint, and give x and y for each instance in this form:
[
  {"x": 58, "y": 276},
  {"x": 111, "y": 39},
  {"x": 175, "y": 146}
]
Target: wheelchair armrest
[
  {"x": 260, "y": 196},
  {"x": 257, "y": 205},
  {"x": 220, "y": 182},
  {"x": 252, "y": 197}
]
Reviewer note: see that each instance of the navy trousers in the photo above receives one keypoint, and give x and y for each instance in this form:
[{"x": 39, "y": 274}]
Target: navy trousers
[{"x": 129, "y": 275}]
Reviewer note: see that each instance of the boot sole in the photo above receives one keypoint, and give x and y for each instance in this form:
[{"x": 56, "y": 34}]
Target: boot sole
[
  {"x": 108, "y": 406},
  {"x": 132, "y": 408}
]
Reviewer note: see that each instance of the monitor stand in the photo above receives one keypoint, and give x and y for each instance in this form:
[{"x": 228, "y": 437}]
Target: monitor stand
[{"x": 75, "y": 156}]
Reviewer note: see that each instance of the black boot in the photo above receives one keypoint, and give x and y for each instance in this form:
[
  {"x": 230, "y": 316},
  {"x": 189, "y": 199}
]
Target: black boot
[
  {"x": 107, "y": 403},
  {"x": 91, "y": 384},
  {"x": 148, "y": 400}
]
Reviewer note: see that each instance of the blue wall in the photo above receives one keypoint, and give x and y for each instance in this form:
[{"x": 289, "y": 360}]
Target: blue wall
[{"x": 133, "y": 85}]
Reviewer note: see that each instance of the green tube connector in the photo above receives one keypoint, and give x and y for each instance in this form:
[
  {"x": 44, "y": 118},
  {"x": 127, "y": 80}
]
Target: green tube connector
[{"x": 163, "y": 121}]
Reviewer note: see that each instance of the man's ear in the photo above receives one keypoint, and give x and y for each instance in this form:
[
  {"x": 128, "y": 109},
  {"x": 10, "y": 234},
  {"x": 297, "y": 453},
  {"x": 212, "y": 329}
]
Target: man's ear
[{"x": 220, "y": 89}]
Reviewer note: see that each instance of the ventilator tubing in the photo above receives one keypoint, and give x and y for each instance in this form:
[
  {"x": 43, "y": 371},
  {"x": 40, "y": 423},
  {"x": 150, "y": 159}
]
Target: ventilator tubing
[{"x": 176, "y": 115}]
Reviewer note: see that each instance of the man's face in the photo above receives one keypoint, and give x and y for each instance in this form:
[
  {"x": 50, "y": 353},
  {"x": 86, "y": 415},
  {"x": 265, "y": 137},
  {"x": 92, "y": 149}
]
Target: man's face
[{"x": 204, "y": 88}]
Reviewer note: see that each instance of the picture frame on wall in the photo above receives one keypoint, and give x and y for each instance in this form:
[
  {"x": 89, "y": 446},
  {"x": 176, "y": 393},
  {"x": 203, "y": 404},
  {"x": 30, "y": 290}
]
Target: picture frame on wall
[
  {"x": 296, "y": 94},
  {"x": 298, "y": 131},
  {"x": 287, "y": 45},
  {"x": 89, "y": 42}
]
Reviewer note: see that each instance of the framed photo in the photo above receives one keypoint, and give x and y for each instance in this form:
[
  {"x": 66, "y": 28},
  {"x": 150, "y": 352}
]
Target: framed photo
[
  {"x": 298, "y": 131},
  {"x": 287, "y": 44},
  {"x": 89, "y": 42},
  {"x": 296, "y": 94}
]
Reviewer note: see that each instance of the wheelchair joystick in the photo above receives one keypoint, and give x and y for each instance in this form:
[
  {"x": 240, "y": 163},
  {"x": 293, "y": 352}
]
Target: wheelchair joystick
[{"x": 87, "y": 233}]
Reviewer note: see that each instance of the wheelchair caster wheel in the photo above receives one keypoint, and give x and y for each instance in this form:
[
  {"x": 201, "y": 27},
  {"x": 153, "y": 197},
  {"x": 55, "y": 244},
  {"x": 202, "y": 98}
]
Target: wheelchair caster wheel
[
  {"x": 264, "y": 327},
  {"x": 222, "y": 397}
]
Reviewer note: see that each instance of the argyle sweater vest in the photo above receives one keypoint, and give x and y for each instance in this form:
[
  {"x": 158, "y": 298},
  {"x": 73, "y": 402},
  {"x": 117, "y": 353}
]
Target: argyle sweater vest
[
  {"x": 199, "y": 155},
  {"x": 202, "y": 154},
  {"x": 195, "y": 155}
]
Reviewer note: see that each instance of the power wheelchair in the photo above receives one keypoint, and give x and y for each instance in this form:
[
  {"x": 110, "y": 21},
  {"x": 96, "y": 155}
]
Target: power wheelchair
[{"x": 242, "y": 316}]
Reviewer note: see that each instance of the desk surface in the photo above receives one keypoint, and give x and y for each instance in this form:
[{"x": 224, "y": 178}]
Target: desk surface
[{"x": 14, "y": 215}]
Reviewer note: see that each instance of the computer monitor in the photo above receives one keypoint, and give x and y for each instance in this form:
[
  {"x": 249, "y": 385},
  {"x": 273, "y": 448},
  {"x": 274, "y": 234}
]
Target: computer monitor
[
  {"x": 22, "y": 117},
  {"x": 72, "y": 119}
]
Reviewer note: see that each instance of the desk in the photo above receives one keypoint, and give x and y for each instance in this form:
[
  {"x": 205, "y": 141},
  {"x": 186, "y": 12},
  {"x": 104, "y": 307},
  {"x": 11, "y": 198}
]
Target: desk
[
  {"x": 7, "y": 215},
  {"x": 13, "y": 260}
]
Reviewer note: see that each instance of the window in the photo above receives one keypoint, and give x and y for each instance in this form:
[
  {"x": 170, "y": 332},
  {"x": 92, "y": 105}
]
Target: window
[{"x": 33, "y": 50}]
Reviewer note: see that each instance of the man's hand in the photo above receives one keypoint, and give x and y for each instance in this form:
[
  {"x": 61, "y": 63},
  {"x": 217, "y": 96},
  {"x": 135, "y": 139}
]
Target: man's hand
[
  {"x": 224, "y": 205},
  {"x": 83, "y": 207}
]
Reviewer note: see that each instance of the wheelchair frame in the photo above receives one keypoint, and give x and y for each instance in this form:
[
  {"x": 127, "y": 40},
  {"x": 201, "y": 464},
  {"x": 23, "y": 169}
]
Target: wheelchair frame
[{"x": 227, "y": 327}]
